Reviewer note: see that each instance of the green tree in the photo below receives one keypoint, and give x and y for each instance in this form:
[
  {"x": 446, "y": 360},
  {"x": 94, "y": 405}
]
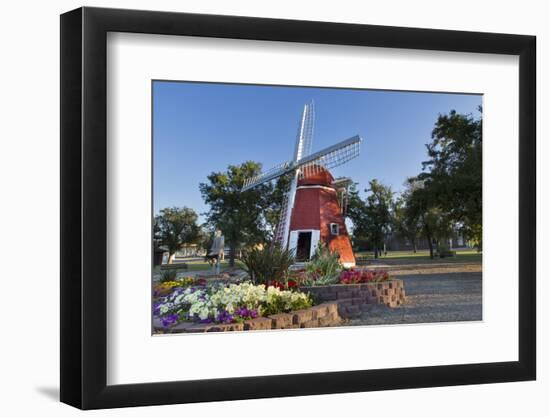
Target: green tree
[
  {"x": 371, "y": 217},
  {"x": 239, "y": 215},
  {"x": 378, "y": 212},
  {"x": 434, "y": 224},
  {"x": 419, "y": 202},
  {"x": 206, "y": 238},
  {"x": 454, "y": 176},
  {"x": 357, "y": 213},
  {"x": 174, "y": 227},
  {"x": 442, "y": 226},
  {"x": 406, "y": 223}
]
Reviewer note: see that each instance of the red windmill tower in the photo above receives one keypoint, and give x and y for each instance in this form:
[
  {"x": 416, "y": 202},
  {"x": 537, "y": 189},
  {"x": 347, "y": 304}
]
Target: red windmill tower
[{"x": 312, "y": 209}]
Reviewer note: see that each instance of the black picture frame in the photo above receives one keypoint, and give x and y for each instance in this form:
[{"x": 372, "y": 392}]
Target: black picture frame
[{"x": 84, "y": 207}]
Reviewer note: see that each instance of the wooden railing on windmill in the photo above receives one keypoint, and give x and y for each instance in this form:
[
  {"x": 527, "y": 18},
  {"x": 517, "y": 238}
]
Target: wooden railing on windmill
[{"x": 312, "y": 209}]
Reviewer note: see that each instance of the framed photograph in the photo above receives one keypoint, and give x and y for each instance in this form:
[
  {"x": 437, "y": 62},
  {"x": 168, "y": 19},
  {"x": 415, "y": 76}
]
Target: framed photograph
[{"x": 259, "y": 208}]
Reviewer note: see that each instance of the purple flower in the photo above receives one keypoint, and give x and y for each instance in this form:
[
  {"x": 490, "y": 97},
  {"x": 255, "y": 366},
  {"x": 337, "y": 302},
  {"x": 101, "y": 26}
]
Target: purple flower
[
  {"x": 246, "y": 313},
  {"x": 156, "y": 308},
  {"x": 206, "y": 321},
  {"x": 177, "y": 292},
  {"x": 225, "y": 317},
  {"x": 169, "y": 320}
]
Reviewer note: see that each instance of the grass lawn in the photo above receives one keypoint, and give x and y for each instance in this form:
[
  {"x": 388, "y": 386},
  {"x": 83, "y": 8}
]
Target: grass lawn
[
  {"x": 201, "y": 265},
  {"x": 467, "y": 255}
]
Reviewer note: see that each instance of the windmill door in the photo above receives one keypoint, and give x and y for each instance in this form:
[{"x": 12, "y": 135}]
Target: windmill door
[{"x": 303, "y": 247}]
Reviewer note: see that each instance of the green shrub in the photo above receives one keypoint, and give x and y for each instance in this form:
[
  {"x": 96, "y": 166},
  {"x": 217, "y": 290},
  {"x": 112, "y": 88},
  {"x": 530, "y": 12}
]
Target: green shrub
[
  {"x": 324, "y": 267},
  {"x": 168, "y": 274},
  {"x": 270, "y": 263}
]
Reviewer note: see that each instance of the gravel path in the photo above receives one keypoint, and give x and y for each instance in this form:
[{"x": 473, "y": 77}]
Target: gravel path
[{"x": 452, "y": 296}]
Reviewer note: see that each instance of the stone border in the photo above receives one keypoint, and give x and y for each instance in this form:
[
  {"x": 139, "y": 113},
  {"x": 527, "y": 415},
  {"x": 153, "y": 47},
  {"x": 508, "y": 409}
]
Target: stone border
[
  {"x": 353, "y": 299},
  {"x": 322, "y": 315}
]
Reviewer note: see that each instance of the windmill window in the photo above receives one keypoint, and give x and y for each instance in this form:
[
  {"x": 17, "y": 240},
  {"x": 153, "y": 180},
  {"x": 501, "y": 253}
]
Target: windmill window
[{"x": 334, "y": 229}]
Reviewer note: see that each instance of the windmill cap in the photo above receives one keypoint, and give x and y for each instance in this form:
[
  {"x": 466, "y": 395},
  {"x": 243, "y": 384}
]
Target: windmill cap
[{"x": 320, "y": 176}]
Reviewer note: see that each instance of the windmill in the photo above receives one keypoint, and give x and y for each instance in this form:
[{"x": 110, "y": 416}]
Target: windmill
[{"x": 312, "y": 208}]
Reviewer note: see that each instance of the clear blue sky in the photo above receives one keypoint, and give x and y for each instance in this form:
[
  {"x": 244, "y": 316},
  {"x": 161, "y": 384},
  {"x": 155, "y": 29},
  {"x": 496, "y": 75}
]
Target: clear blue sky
[{"x": 199, "y": 128}]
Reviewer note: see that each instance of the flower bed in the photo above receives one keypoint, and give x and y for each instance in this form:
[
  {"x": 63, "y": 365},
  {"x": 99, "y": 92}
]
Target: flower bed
[
  {"x": 310, "y": 278},
  {"x": 323, "y": 315},
  {"x": 165, "y": 288},
  {"x": 225, "y": 304},
  {"x": 362, "y": 276},
  {"x": 198, "y": 305}
]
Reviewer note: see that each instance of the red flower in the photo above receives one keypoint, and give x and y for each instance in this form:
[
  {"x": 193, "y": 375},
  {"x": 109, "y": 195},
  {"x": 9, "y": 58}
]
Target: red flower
[
  {"x": 352, "y": 276},
  {"x": 276, "y": 284},
  {"x": 367, "y": 276}
]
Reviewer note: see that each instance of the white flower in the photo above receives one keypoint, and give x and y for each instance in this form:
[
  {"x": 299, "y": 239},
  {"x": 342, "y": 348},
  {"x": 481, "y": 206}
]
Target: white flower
[
  {"x": 164, "y": 308},
  {"x": 204, "y": 303},
  {"x": 203, "y": 313}
]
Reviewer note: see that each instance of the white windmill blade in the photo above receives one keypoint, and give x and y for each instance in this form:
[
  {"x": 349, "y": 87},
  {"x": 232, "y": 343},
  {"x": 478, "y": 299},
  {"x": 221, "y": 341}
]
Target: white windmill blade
[
  {"x": 330, "y": 157},
  {"x": 273, "y": 173},
  {"x": 303, "y": 149},
  {"x": 304, "y": 138}
]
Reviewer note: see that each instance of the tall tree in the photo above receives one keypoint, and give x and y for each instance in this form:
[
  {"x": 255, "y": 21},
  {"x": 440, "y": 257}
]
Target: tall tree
[
  {"x": 378, "y": 210},
  {"x": 406, "y": 223},
  {"x": 421, "y": 205},
  {"x": 454, "y": 175},
  {"x": 174, "y": 227},
  {"x": 239, "y": 215},
  {"x": 419, "y": 202},
  {"x": 206, "y": 238},
  {"x": 357, "y": 213},
  {"x": 371, "y": 217}
]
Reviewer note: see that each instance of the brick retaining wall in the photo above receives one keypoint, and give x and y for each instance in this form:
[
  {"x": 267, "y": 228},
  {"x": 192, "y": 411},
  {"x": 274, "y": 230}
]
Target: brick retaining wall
[
  {"x": 322, "y": 315},
  {"x": 353, "y": 299}
]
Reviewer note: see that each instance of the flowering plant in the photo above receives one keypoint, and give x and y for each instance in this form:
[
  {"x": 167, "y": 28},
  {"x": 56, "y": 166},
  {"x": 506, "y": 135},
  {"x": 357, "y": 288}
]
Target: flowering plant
[
  {"x": 324, "y": 267},
  {"x": 280, "y": 301},
  {"x": 239, "y": 315},
  {"x": 290, "y": 284},
  {"x": 200, "y": 281},
  {"x": 312, "y": 278},
  {"x": 358, "y": 276},
  {"x": 186, "y": 281},
  {"x": 164, "y": 288},
  {"x": 276, "y": 284},
  {"x": 227, "y": 304}
]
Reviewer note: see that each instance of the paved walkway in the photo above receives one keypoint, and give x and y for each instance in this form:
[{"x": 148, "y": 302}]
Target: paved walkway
[{"x": 440, "y": 297}]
